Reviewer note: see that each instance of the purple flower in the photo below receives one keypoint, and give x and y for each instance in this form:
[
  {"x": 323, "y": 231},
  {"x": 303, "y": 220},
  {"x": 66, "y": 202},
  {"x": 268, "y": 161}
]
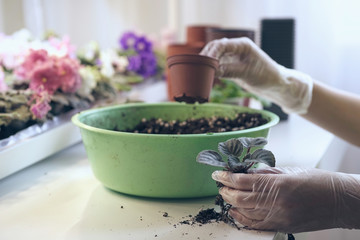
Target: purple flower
[
  {"x": 149, "y": 65},
  {"x": 143, "y": 45},
  {"x": 144, "y": 61},
  {"x": 134, "y": 63},
  {"x": 144, "y": 64},
  {"x": 128, "y": 40},
  {"x": 98, "y": 62}
]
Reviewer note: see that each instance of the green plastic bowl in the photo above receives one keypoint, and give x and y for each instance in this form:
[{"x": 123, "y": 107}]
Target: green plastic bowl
[{"x": 156, "y": 165}]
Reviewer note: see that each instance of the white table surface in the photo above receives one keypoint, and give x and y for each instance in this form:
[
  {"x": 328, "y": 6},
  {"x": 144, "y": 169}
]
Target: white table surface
[{"x": 59, "y": 198}]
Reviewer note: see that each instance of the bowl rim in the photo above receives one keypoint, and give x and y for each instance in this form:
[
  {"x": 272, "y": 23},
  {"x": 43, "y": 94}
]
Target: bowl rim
[{"x": 274, "y": 119}]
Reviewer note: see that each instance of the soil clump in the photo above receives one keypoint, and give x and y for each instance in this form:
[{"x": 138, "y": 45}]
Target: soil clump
[{"x": 199, "y": 125}]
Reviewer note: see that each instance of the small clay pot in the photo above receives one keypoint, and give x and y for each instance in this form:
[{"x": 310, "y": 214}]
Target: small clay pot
[
  {"x": 218, "y": 33},
  {"x": 177, "y": 49},
  {"x": 184, "y": 48},
  {"x": 197, "y": 33},
  {"x": 191, "y": 77}
]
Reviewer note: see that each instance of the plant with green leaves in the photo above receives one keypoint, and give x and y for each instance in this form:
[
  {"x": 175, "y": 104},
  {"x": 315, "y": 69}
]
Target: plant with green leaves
[{"x": 238, "y": 161}]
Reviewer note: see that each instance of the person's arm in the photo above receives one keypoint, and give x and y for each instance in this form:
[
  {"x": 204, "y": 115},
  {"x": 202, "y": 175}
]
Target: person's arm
[
  {"x": 244, "y": 62},
  {"x": 290, "y": 199},
  {"x": 336, "y": 111}
]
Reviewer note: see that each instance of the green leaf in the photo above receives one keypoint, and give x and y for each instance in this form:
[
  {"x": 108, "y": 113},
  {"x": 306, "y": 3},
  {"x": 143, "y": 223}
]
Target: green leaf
[
  {"x": 247, "y": 156},
  {"x": 211, "y": 158},
  {"x": 228, "y": 89},
  {"x": 233, "y": 161},
  {"x": 262, "y": 156},
  {"x": 231, "y": 147},
  {"x": 122, "y": 87},
  {"x": 134, "y": 79},
  {"x": 253, "y": 142}
]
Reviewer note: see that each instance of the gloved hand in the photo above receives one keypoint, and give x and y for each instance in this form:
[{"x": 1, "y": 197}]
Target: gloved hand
[
  {"x": 243, "y": 61},
  {"x": 292, "y": 200}
]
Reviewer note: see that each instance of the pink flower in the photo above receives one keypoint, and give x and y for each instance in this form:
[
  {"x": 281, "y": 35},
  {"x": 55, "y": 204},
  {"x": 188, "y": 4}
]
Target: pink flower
[
  {"x": 41, "y": 106},
  {"x": 35, "y": 58},
  {"x": 69, "y": 77},
  {"x": 51, "y": 72},
  {"x": 63, "y": 46},
  {"x": 46, "y": 77},
  {"x": 40, "y": 109}
]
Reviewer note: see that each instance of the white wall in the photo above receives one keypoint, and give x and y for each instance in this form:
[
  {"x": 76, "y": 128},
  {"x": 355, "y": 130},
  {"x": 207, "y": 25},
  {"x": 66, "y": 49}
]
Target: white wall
[
  {"x": 11, "y": 15},
  {"x": 327, "y": 32},
  {"x": 101, "y": 20},
  {"x": 1, "y": 18}
]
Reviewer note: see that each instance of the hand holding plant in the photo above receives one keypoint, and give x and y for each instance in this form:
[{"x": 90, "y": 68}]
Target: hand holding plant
[
  {"x": 292, "y": 199},
  {"x": 238, "y": 161}
]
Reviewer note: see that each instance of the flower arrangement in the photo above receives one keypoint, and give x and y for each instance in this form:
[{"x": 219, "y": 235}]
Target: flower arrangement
[
  {"x": 134, "y": 60},
  {"x": 46, "y": 75},
  {"x": 43, "y": 78}
]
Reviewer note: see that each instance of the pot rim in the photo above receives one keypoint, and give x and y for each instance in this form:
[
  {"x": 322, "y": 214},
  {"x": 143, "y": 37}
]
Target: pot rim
[
  {"x": 230, "y": 30},
  {"x": 186, "y": 45},
  {"x": 192, "y": 59},
  {"x": 197, "y": 26}
]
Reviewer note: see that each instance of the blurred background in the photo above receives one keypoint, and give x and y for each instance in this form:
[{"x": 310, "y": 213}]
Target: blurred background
[
  {"x": 327, "y": 39},
  {"x": 327, "y": 33}
]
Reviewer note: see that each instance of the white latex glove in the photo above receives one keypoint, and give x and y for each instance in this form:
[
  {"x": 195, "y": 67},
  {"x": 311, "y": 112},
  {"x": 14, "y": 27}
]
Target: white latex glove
[
  {"x": 243, "y": 61},
  {"x": 292, "y": 200}
]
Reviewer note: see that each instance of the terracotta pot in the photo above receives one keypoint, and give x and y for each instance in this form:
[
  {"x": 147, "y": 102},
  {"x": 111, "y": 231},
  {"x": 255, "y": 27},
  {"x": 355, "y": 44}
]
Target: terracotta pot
[
  {"x": 197, "y": 33},
  {"x": 191, "y": 77},
  {"x": 176, "y": 49},
  {"x": 184, "y": 48},
  {"x": 218, "y": 33}
]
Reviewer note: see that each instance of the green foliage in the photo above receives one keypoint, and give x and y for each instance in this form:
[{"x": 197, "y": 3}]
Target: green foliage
[
  {"x": 233, "y": 149},
  {"x": 228, "y": 90},
  {"x": 14, "y": 107}
]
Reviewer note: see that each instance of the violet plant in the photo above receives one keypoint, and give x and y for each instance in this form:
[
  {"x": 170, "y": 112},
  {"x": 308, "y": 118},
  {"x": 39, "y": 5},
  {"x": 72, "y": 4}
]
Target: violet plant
[
  {"x": 141, "y": 56},
  {"x": 238, "y": 161}
]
